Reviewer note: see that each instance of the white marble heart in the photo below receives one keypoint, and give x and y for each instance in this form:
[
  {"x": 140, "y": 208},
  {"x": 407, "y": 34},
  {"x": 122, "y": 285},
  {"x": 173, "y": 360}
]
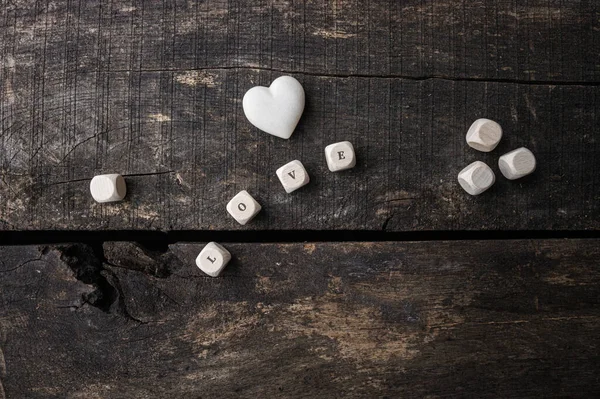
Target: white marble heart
[{"x": 275, "y": 109}]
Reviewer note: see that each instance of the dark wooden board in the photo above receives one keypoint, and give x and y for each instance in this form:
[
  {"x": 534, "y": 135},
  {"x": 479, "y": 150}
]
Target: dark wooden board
[
  {"x": 153, "y": 91},
  {"x": 537, "y": 40},
  {"x": 409, "y": 138},
  {"x": 423, "y": 319}
]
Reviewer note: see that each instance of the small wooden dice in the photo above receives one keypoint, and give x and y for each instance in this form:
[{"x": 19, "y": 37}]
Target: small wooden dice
[
  {"x": 292, "y": 176},
  {"x": 340, "y": 156},
  {"x": 108, "y": 188},
  {"x": 484, "y": 135},
  {"x": 476, "y": 178},
  {"x": 517, "y": 163},
  {"x": 213, "y": 259},
  {"x": 243, "y": 207}
]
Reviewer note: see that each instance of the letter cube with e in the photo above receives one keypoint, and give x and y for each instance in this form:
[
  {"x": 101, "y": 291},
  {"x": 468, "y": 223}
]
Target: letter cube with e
[
  {"x": 340, "y": 156},
  {"x": 108, "y": 188},
  {"x": 213, "y": 259},
  {"x": 243, "y": 207},
  {"x": 292, "y": 176}
]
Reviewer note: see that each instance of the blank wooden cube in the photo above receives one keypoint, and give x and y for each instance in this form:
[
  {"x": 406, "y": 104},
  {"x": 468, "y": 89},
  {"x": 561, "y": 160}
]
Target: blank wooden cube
[
  {"x": 517, "y": 163},
  {"x": 108, "y": 188},
  {"x": 484, "y": 135},
  {"x": 213, "y": 259},
  {"x": 340, "y": 156},
  {"x": 292, "y": 176},
  {"x": 243, "y": 207},
  {"x": 476, "y": 178}
]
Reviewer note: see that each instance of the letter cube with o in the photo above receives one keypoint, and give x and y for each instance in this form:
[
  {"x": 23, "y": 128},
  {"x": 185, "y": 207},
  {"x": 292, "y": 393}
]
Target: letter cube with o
[
  {"x": 213, "y": 259},
  {"x": 340, "y": 156},
  {"x": 292, "y": 176},
  {"x": 243, "y": 207}
]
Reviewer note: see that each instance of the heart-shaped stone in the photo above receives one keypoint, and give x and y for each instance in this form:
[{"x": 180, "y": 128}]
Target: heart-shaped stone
[{"x": 275, "y": 109}]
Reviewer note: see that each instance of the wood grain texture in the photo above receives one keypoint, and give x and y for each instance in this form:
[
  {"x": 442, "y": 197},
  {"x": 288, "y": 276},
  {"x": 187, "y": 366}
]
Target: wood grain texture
[
  {"x": 422, "y": 319},
  {"x": 153, "y": 91},
  {"x": 538, "y": 40}
]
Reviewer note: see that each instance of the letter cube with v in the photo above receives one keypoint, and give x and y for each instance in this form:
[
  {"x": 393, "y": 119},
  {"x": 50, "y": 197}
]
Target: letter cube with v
[
  {"x": 340, "y": 156},
  {"x": 213, "y": 259},
  {"x": 292, "y": 176},
  {"x": 243, "y": 207}
]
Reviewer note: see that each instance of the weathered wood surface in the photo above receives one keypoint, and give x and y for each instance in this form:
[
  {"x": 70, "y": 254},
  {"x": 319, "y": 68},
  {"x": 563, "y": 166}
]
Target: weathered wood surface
[
  {"x": 422, "y": 319},
  {"x": 153, "y": 91}
]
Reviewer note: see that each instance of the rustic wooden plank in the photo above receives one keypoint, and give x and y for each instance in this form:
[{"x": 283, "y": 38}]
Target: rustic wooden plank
[
  {"x": 484, "y": 39},
  {"x": 153, "y": 91},
  {"x": 187, "y": 149},
  {"x": 421, "y": 319}
]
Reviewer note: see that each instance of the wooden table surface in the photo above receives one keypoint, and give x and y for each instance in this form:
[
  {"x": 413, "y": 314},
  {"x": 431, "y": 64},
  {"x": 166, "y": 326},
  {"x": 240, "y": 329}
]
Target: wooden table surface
[{"x": 364, "y": 298}]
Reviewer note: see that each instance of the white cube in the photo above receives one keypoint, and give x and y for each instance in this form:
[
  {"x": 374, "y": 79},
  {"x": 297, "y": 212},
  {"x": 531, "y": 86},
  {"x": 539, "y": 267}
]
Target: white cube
[
  {"x": 517, "y": 163},
  {"x": 340, "y": 156},
  {"x": 108, "y": 188},
  {"x": 243, "y": 207},
  {"x": 292, "y": 176},
  {"x": 476, "y": 178},
  {"x": 484, "y": 135},
  {"x": 213, "y": 259}
]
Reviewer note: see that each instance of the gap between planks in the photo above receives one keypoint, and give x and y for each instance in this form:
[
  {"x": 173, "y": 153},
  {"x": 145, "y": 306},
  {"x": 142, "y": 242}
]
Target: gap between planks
[{"x": 162, "y": 239}]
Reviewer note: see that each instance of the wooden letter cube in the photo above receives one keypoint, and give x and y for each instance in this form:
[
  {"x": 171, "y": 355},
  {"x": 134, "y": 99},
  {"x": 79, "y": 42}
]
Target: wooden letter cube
[
  {"x": 484, "y": 135},
  {"x": 292, "y": 176},
  {"x": 517, "y": 163},
  {"x": 476, "y": 178},
  {"x": 243, "y": 207},
  {"x": 340, "y": 156},
  {"x": 108, "y": 188},
  {"x": 213, "y": 259}
]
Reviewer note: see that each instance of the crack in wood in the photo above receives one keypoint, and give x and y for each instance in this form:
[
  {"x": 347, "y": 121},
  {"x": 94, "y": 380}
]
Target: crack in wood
[
  {"x": 149, "y": 173},
  {"x": 362, "y": 76},
  {"x": 87, "y": 264},
  {"x": 21, "y": 264},
  {"x": 125, "y": 175}
]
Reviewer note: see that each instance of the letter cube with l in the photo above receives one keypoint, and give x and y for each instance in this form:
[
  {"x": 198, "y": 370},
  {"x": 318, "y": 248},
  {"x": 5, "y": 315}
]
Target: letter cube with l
[
  {"x": 243, "y": 207},
  {"x": 292, "y": 176},
  {"x": 340, "y": 156},
  {"x": 213, "y": 259}
]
